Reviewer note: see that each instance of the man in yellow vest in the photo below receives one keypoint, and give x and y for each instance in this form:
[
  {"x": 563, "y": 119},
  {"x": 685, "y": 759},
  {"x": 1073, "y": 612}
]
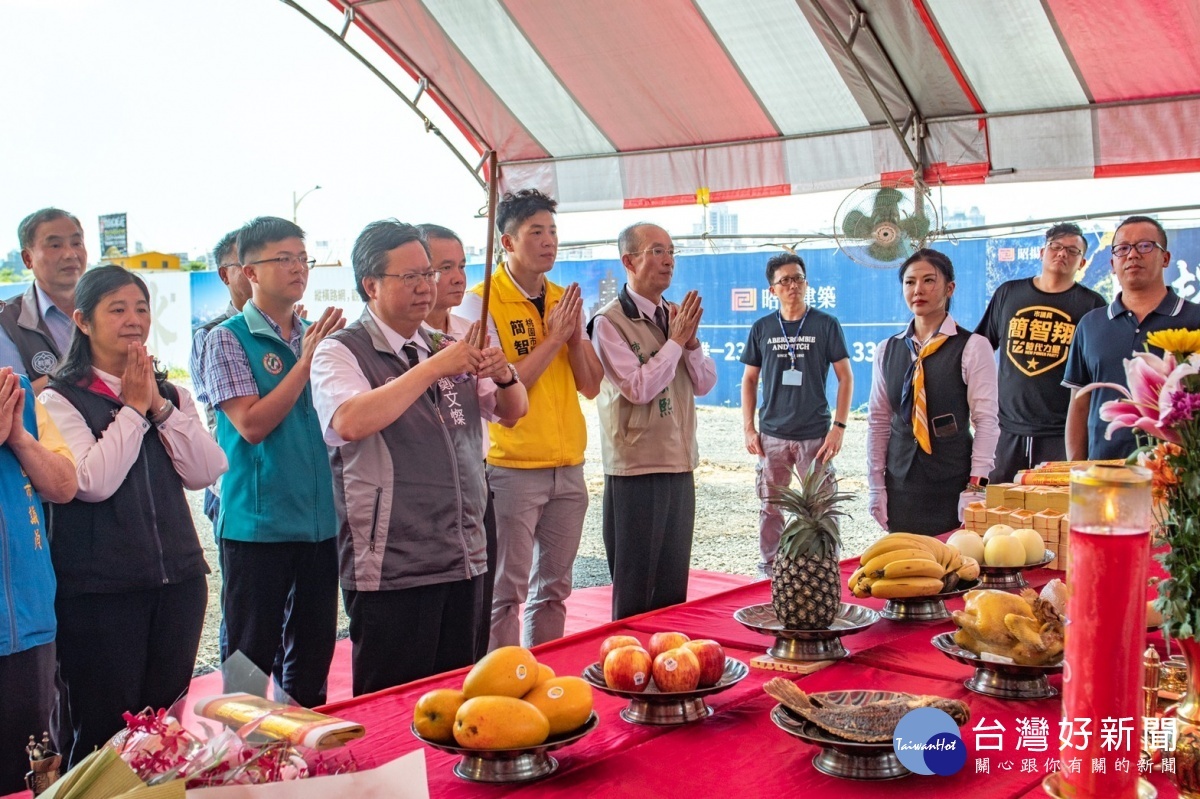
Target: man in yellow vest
[
  {"x": 654, "y": 368},
  {"x": 535, "y": 468}
]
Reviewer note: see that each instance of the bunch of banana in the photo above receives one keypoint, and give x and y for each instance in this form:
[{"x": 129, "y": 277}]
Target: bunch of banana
[{"x": 902, "y": 565}]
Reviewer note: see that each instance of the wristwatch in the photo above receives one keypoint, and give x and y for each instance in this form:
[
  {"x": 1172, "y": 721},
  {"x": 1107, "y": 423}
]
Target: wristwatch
[{"x": 516, "y": 378}]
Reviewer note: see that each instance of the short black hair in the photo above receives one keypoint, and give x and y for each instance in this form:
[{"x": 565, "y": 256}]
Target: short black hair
[
  {"x": 27, "y": 230},
  {"x": 1057, "y": 231},
  {"x": 1134, "y": 220},
  {"x": 264, "y": 230},
  {"x": 516, "y": 207},
  {"x": 372, "y": 246},
  {"x": 432, "y": 231},
  {"x": 225, "y": 247},
  {"x": 777, "y": 262}
]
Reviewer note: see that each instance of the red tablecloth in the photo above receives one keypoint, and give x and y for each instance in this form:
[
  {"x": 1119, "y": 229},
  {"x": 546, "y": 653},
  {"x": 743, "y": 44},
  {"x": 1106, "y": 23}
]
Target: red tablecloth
[{"x": 738, "y": 749}]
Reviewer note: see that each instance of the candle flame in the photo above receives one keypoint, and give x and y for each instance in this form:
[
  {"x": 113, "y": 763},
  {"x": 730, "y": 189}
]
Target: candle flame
[{"x": 1110, "y": 509}]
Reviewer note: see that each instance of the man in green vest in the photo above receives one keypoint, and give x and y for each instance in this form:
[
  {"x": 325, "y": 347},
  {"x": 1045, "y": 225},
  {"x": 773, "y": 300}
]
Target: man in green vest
[{"x": 277, "y": 527}]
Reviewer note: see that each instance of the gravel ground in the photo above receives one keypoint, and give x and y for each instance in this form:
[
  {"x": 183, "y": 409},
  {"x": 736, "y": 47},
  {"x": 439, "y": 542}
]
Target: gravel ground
[{"x": 726, "y": 537}]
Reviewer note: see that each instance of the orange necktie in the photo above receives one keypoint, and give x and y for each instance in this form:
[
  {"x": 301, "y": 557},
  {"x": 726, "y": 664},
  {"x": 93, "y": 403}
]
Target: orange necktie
[{"x": 920, "y": 416}]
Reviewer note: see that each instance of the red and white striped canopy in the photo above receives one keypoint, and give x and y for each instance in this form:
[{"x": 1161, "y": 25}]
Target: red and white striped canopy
[{"x": 631, "y": 103}]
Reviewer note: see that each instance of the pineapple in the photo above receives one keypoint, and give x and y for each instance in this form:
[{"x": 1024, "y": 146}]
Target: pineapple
[{"x": 806, "y": 586}]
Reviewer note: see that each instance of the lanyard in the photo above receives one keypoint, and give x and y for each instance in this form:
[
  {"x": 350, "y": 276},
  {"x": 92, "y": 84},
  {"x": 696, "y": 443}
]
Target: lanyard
[{"x": 791, "y": 345}]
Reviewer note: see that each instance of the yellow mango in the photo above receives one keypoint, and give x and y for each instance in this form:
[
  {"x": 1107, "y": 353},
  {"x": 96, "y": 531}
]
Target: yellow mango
[
  {"x": 507, "y": 671},
  {"x": 500, "y": 722},
  {"x": 565, "y": 701}
]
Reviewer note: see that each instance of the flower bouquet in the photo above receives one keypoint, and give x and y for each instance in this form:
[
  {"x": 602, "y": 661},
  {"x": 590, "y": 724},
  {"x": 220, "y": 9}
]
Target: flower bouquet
[
  {"x": 1162, "y": 406},
  {"x": 156, "y": 753}
]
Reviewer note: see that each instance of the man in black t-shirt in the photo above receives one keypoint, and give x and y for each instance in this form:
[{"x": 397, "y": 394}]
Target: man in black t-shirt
[
  {"x": 792, "y": 351},
  {"x": 1031, "y": 322}
]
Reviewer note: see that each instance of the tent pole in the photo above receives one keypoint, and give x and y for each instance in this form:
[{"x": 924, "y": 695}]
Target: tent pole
[{"x": 492, "y": 184}]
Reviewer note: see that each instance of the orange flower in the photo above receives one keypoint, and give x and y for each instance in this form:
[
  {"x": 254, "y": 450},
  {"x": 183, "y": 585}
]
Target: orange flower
[{"x": 1163, "y": 477}]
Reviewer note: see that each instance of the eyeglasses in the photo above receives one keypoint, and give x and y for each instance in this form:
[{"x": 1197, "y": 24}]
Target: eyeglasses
[
  {"x": 412, "y": 279},
  {"x": 229, "y": 265},
  {"x": 1055, "y": 247},
  {"x": 287, "y": 260},
  {"x": 790, "y": 280},
  {"x": 1143, "y": 247},
  {"x": 658, "y": 252}
]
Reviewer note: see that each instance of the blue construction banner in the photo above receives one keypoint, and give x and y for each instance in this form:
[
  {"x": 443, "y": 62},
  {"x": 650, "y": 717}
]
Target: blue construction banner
[{"x": 868, "y": 302}]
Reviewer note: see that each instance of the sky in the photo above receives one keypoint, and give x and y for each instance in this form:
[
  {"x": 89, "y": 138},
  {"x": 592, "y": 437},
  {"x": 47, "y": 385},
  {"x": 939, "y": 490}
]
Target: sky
[{"x": 194, "y": 116}]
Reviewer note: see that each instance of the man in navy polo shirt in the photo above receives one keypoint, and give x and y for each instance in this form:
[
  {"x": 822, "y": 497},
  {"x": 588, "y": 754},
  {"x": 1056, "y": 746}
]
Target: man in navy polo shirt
[{"x": 1106, "y": 337}]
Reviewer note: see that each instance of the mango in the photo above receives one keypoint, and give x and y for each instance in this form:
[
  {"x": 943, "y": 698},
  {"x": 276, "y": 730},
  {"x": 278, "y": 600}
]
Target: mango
[
  {"x": 500, "y": 722},
  {"x": 544, "y": 673},
  {"x": 434, "y": 714},
  {"x": 565, "y": 701},
  {"x": 507, "y": 671}
]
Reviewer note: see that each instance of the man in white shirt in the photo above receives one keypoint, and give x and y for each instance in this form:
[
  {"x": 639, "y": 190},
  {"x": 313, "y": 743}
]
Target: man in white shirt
[{"x": 647, "y": 408}]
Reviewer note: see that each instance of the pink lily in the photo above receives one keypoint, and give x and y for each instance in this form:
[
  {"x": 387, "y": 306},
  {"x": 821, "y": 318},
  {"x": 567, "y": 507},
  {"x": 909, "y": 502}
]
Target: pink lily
[{"x": 1151, "y": 381}]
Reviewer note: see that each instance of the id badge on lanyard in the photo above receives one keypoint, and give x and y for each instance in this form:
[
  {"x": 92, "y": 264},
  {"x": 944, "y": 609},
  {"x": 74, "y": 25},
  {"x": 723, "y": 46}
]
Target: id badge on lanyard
[{"x": 792, "y": 376}]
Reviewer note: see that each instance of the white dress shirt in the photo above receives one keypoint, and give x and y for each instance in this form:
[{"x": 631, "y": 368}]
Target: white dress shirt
[
  {"x": 641, "y": 382},
  {"x": 102, "y": 465}
]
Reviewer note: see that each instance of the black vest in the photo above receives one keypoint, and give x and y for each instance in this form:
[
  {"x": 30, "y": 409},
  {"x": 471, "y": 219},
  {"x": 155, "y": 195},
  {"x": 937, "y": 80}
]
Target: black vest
[
  {"x": 945, "y": 393},
  {"x": 39, "y": 354},
  {"x": 142, "y": 536}
]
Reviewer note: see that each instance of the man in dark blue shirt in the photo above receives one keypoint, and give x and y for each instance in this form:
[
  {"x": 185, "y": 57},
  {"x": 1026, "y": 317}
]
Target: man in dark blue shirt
[{"x": 1106, "y": 337}]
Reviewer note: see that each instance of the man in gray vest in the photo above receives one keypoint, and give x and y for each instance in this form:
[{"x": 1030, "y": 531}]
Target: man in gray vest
[
  {"x": 654, "y": 368},
  {"x": 400, "y": 413},
  {"x": 36, "y": 328}
]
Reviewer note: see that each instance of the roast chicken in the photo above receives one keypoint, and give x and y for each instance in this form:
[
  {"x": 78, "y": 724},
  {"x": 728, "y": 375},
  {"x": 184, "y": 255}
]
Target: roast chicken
[{"x": 1026, "y": 628}]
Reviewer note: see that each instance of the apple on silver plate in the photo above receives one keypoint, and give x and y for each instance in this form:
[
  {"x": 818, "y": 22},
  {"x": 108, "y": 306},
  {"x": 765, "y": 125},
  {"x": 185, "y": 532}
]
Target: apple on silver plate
[{"x": 655, "y": 707}]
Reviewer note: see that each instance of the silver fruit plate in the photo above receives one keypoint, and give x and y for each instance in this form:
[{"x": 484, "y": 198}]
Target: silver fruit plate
[
  {"x": 839, "y": 757},
  {"x": 510, "y": 765},
  {"x": 1001, "y": 680},
  {"x": 1009, "y": 578},
  {"x": 663, "y": 708},
  {"x": 807, "y": 645},
  {"x": 925, "y": 608}
]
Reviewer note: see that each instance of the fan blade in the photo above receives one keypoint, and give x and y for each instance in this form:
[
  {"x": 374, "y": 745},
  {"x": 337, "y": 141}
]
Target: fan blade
[{"x": 857, "y": 225}]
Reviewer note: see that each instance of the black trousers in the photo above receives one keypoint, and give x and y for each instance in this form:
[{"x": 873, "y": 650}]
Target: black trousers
[
  {"x": 483, "y": 627},
  {"x": 1014, "y": 452},
  {"x": 26, "y": 702},
  {"x": 119, "y": 652},
  {"x": 648, "y": 522},
  {"x": 404, "y": 635},
  {"x": 277, "y": 595}
]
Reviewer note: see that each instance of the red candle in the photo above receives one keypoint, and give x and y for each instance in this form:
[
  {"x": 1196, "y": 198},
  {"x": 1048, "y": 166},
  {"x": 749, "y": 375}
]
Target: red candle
[{"x": 1105, "y": 632}]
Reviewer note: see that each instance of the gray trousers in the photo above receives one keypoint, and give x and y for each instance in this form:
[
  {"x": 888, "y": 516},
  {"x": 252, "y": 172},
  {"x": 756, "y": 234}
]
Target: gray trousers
[
  {"x": 781, "y": 459},
  {"x": 539, "y": 521}
]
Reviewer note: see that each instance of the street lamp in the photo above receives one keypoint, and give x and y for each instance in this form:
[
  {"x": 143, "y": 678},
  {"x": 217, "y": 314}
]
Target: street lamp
[{"x": 297, "y": 200}]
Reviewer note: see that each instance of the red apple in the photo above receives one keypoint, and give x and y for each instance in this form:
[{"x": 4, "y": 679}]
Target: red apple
[
  {"x": 676, "y": 670},
  {"x": 613, "y": 642},
  {"x": 712, "y": 659},
  {"x": 661, "y": 642},
  {"x": 627, "y": 668}
]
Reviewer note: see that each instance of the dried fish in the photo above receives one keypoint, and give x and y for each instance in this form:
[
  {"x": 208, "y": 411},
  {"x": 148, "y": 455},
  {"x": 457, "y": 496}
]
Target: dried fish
[{"x": 869, "y": 723}]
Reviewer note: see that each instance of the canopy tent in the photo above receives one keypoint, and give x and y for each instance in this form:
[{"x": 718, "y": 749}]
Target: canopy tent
[{"x": 635, "y": 103}]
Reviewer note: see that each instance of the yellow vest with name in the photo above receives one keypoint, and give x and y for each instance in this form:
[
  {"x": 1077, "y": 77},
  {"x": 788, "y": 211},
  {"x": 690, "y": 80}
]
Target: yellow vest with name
[{"x": 553, "y": 433}]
